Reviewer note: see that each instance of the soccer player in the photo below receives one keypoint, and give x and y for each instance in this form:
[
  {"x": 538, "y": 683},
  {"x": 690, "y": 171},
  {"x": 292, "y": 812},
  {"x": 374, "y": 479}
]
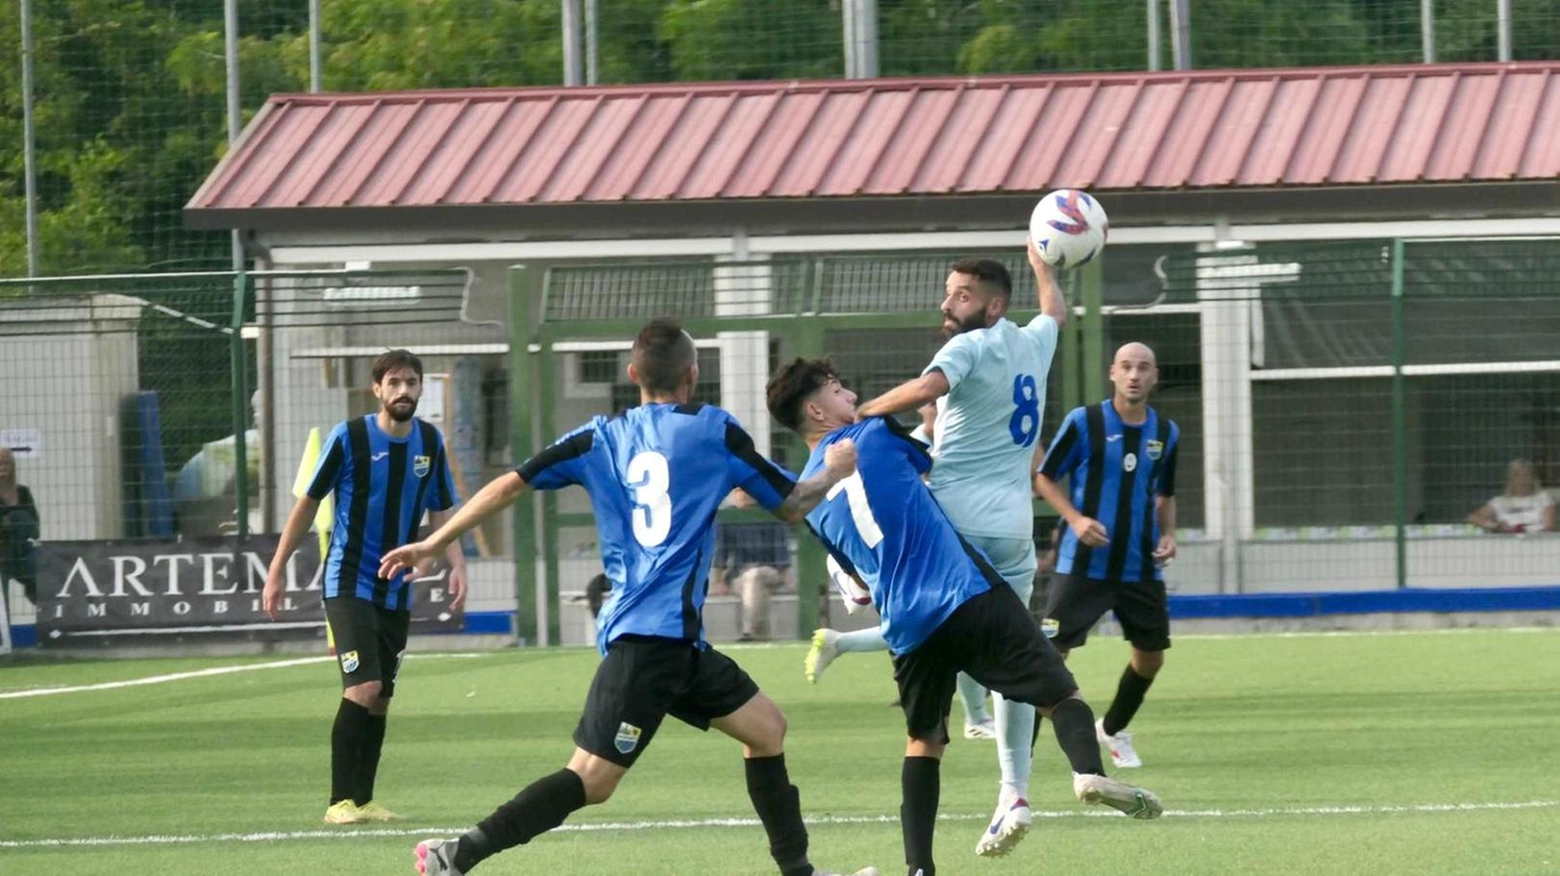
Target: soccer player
[
  {"x": 989, "y": 383},
  {"x": 656, "y": 476},
  {"x": 1120, "y": 531},
  {"x": 386, "y": 469},
  {"x": 944, "y": 608}
]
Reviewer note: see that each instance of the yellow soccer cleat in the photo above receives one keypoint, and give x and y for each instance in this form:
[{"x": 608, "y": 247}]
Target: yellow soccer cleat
[
  {"x": 825, "y": 647},
  {"x": 372, "y": 811},
  {"x": 345, "y": 812}
]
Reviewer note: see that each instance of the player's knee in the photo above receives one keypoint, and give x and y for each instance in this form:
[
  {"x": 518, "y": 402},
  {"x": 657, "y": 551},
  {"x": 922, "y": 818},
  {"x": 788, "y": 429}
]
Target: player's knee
[
  {"x": 1147, "y": 663},
  {"x": 924, "y": 748},
  {"x": 769, "y": 733},
  {"x": 367, "y": 694}
]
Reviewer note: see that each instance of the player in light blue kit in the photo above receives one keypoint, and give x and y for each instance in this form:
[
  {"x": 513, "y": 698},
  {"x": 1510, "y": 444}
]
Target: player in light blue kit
[
  {"x": 945, "y": 610},
  {"x": 989, "y": 384}
]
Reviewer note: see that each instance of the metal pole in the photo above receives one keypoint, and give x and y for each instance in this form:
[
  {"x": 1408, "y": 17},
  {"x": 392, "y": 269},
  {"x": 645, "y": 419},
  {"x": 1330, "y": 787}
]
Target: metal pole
[
  {"x": 316, "y": 66},
  {"x": 1427, "y": 29},
  {"x": 860, "y": 33},
  {"x": 848, "y": 34},
  {"x": 1503, "y": 29},
  {"x": 571, "y": 43},
  {"x": 239, "y": 383},
  {"x": 592, "y": 70},
  {"x": 1156, "y": 59},
  {"x": 1399, "y": 416},
  {"x": 29, "y": 141},
  {"x": 234, "y": 107},
  {"x": 1181, "y": 34}
]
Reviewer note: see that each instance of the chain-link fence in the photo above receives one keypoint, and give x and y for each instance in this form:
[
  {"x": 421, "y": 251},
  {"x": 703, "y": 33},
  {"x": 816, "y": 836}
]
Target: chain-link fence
[{"x": 130, "y": 100}]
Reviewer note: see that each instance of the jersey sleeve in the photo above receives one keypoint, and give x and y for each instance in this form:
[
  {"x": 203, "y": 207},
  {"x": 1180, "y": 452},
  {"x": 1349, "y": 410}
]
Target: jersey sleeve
[
  {"x": 333, "y": 461},
  {"x": 767, "y": 483},
  {"x": 1069, "y": 449},
  {"x": 1044, "y": 331},
  {"x": 956, "y": 359},
  {"x": 563, "y": 463},
  {"x": 915, "y": 449},
  {"x": 442, "y": 497},
  {"x": 1167, "y": 479}
]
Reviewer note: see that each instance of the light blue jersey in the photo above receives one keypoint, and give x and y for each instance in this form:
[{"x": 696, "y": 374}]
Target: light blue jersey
[{"x": 988, "y": 423}]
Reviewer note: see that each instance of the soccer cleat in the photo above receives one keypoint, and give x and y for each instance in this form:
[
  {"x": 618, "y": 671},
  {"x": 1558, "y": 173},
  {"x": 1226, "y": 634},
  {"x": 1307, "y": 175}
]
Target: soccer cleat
[
  {"x": 1118, "y": 795},
  {"x": 372, "y": 811},
  {"x": 436, "y": 857},
  {"x": 345, "y": 812},
  {"x": 825, "y": 647},
  {"x": 1122, "y": 754},
  {"x": 986, "y": 729},
  {"x": 1008, "y": 827}
]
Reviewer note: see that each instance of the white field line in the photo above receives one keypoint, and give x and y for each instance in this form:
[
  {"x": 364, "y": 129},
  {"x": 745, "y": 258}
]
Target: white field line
[
  {"x": 195, "y": 673},
  {"x": 340, "y": 833}
]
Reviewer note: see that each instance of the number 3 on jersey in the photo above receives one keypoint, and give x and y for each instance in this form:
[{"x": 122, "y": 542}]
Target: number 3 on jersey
[
  {"x": 860, "y": 512},
  {"x": 649, "y": 478},
  {"x": 1025, "y": 422}
]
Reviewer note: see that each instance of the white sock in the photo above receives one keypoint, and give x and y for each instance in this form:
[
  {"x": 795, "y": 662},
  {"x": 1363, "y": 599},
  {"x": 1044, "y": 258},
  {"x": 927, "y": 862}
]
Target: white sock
[
  {"x": 1015, "y": 737},
  {"x": 869, "y": 639},
  {"x": 974, "y": 697}
]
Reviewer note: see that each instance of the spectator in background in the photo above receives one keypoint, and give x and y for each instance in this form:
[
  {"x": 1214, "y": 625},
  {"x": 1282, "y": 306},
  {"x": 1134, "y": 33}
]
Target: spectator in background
[
  {"x": 752, "y": 560},
  {"x": 19, "y": 529},
  {"x": 1525, "y": 506}
]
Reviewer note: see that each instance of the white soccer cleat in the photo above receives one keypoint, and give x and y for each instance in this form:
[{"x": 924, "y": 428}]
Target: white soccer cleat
[
  {"x": 436, "y": 857},
  {"x": 1008, "y": 827},
  {"x": 825, "y": 647},
  {"x": 1122, "y": 754},
  {"x": 1118, "y": 795},
  {"x": 986, "y": 729}
]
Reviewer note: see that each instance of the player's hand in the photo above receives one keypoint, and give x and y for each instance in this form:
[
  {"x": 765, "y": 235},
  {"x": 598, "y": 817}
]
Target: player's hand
[
  {"x": 271, "y": 596},
  {"x": 1165, "y": 552},
  {"x": 840, "y": 458},
  {"x": 457, "y": 585},
  {"x": 407, "y": 557},
  {"x": 1035, "y": 261},
  {"x": 1090, "y": 531}
]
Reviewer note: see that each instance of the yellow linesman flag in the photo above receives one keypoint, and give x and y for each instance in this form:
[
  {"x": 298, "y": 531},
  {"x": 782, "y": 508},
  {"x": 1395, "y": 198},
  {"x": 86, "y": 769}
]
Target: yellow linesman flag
[{"x": 325, "y": 517}]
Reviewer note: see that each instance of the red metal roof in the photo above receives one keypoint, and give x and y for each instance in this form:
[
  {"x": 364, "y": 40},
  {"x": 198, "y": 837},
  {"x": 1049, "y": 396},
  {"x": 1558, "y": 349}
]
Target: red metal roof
[{"x": 893, "y": 137}]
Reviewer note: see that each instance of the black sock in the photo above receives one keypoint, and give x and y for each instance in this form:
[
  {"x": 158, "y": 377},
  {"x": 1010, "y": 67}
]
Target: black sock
[
  {"x": 346, "y": 749},
  {"x": 368, "y": 764},
  {"x": 1129, "y": 697},
  {"x": 779, "y": 807},
  {"x": 1073, "y": 722},
  {"x": 542, "y": 806},
  {"x": 921, "y": 779}
]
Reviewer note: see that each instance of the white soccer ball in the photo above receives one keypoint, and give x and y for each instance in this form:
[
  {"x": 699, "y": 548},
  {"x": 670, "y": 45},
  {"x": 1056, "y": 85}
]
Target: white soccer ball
[
  {"x": 851, "y": 592},
  {"x": 1068, "y": 227}
]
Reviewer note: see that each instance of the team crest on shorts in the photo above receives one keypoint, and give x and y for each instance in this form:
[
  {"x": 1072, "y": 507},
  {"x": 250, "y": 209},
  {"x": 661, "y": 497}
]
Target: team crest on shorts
[
  {"x": 627, "y": 738},
  {"x": 1155, "y": 449},
  {"x": 421, "y": 464},
  {"x": 349, "y": 662},
  {"x": 1050, "y": 626}
]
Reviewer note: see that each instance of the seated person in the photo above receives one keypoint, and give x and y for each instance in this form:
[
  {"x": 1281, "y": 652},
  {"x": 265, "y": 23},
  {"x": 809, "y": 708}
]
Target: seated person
[{"x": 1525, "y": 506}]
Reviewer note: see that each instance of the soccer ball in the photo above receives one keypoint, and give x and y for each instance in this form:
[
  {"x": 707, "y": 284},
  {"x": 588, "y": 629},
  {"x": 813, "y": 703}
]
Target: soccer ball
[
  {"x": 1068, "y": 227},
  {"x": 851, "y": 593}
]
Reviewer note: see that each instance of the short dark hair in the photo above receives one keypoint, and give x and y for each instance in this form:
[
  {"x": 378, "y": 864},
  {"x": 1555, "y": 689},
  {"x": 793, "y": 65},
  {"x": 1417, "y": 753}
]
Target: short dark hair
[
  {"x": 390, "y": 360},
  {"x": 990, "y": 272},
  {"x": 792, "y": 384},
  {"x": 662, "y": 355}
]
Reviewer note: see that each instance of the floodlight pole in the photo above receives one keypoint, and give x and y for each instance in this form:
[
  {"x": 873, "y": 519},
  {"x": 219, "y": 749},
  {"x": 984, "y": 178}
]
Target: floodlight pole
[
  {"x": 29, "y": 145},
  {"x": 572, "y": 73},
  {"x": 1156, "y": 59}
]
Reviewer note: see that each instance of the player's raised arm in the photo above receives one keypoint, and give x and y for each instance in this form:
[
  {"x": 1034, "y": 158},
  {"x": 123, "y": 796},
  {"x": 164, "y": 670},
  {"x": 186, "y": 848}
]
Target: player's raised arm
[
  {"x": 498, "y": 494},
  {"x": 839, "y": 462},
  {"x": 1052, "y": 302}
]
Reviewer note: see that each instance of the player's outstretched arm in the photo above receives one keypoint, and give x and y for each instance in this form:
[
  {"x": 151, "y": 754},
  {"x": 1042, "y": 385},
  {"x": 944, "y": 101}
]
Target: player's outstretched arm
[
  {"x": 498, "y": 494},
  {"x": 1052, "y": 302},
  {"x": 454, "y": 556},
  {"x": 297, "y": 524},
  {"x": 839, "y": 462},
  {"x": 907, "y": 396}
]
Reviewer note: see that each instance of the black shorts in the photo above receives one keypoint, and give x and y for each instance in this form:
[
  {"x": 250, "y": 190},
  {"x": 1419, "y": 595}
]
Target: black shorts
[
  {"x": 370, "y": 641},
  {"x": 644, "y": 679},
  {"x": 994, "y": 639},
  {"x": 1074, "y": 604}
]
